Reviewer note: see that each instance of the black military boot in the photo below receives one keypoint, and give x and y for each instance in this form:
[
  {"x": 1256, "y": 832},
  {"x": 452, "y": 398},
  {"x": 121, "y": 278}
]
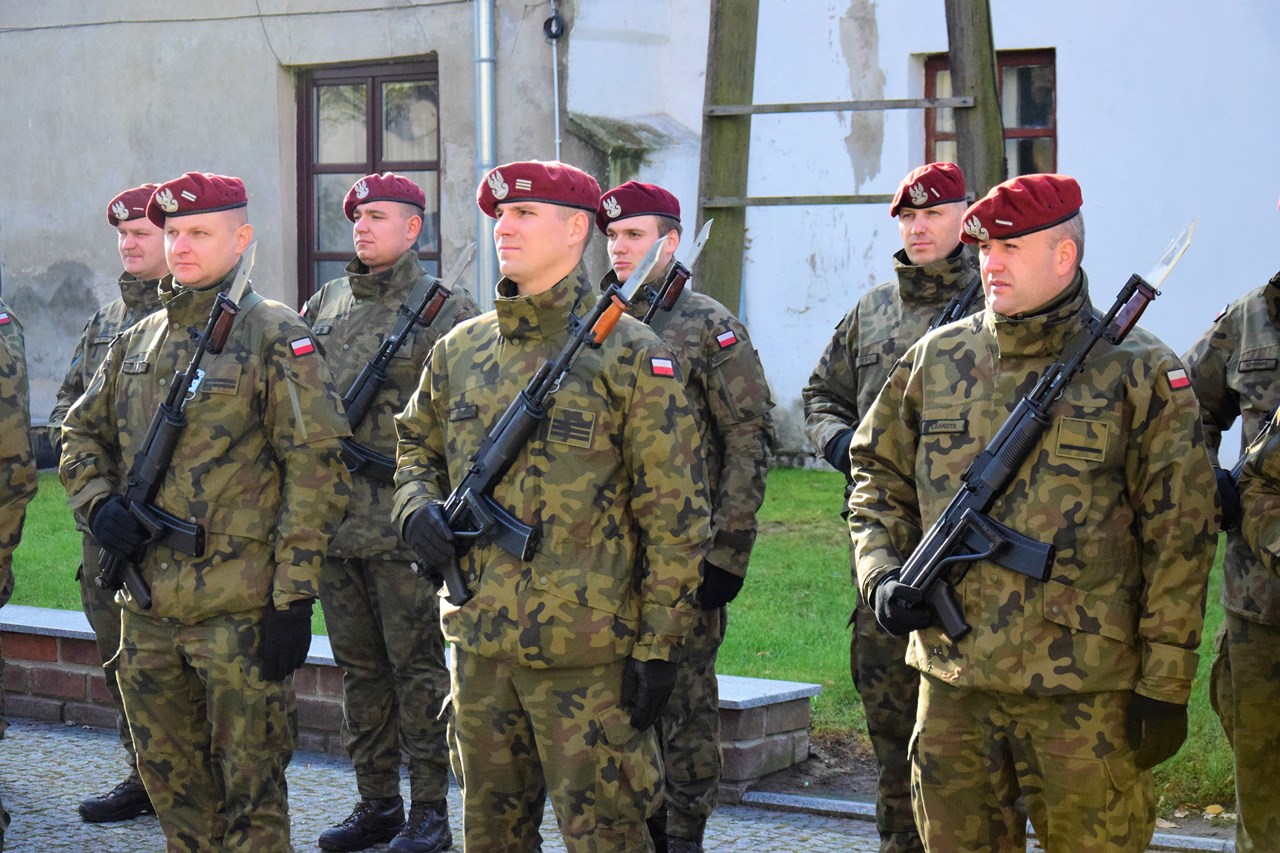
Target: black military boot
[
  {"x": 427, "y": 830},
  {"x": 123, "y": 802},
  {"x": 370, "y": 822},
  {"x": 676, "y": 844}
]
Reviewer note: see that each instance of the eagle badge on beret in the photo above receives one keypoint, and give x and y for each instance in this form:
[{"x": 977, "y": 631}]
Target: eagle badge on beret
[
  {"x": 362, "y": 189},
  {"x": 120, "y": 210},
  {"x": 498, "y": 185},
  {"x": 165, "y": 199},
  {"x": 612, "y": 208},
  {"x": 918, "y": 194},
  {"x": 973, "y": 227}
]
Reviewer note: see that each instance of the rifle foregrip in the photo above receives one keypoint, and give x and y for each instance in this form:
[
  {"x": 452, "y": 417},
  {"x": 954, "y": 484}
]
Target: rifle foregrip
[
  {"x": 359, "y": 397},
  {"x": 604, "y": 326}
]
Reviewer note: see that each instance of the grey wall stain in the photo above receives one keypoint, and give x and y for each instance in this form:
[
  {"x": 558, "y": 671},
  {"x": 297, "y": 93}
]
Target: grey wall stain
[
  {"x": 860, "y": 40},
  {"x": 53, "y": 307}
]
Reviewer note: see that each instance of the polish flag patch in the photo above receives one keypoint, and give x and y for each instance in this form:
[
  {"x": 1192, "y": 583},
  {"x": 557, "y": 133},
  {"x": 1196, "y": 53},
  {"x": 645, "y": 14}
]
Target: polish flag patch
[
  {"x": 1178, "y": 379},
  {"x": 662, "y": 367},
  {"x": 726, "y": 339},
  {"x": 5, "y": 319},
  {"x": 302, "y": 346}
]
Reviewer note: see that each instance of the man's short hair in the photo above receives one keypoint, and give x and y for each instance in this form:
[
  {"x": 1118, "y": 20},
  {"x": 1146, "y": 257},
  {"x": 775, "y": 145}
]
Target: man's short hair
[
  {"x": 666, "y": 225},
  {"x": 1073, "y": 230}
]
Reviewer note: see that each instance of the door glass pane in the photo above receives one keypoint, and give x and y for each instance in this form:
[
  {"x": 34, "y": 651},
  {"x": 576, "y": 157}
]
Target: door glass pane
[
  {"x": 1026, "y": 99},
  {"x": 945, "y": 119},
  {"x": 341, "y": 131},
  {"x": 1028, "y": 156},
  {"x": 327, "y": 271},
  {"x": 409, "y": 121},
  {"x": 429, "y": 239},
  {"x": 333, "y": 229}
]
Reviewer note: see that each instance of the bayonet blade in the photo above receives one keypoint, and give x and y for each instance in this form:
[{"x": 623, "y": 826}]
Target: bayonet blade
[
  {"x": 650, "y": 260},
  {"x": 1171, "y": 255},
  {"x": 241, "y": 283},
  {"x": 455, "y": 272},
  {"x": 698, "y": 242}
]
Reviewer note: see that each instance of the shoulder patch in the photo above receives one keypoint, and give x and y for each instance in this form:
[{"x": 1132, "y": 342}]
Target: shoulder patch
[
  {"x": 726, "y": 339},
  {"x": 662, "y": 367},
  {"x": 5, "y": 319},
  {"x": 302, "y": 346},
  {"x": 1178, "y": 379}
]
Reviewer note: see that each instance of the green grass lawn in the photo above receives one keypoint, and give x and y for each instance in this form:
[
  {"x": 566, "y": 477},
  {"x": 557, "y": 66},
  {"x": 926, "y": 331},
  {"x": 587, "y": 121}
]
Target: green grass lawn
[{"x": 788, "y": 623}]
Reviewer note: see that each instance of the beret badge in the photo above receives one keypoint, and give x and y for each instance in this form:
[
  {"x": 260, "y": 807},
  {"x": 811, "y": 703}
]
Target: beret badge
[
  {"x": 165, "y": 199},
  {"x": 121, "y": 210},
  {"x": 973, "y": 227},
  {"x": 611, "y": 207},
  {"x": 498, "y": 185},
  {"x": 918, "y": 194},
  {"x": 361, "y": 189}
]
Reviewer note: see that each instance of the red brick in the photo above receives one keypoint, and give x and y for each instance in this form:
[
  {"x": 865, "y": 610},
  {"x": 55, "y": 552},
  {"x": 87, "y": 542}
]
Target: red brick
[
  {"x": 320, "y": 715},
  {"x": 330, "y": 681},
  {"x": 60, "y": 683},
  {"x": 98, "y": 690},
  {"x": 33, "y": 708},
  {"x": 304, "y": 680},
  {"x": 17, "y": 679},
  {"x": 80, "y": 651},
  {"x": 36, "y": 647}
]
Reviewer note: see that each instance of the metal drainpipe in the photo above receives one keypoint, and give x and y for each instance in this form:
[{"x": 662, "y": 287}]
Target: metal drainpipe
[
  {"x": 555, "y": 83},
  {"x": 486, "y": 146}
]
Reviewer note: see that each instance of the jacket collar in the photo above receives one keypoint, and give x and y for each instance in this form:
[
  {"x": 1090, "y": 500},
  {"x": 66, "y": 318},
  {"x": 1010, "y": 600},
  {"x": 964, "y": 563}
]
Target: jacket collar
[
  {"x": 374, "y": 285},
  {"x": 542, "y": 316},
  {"x": 936, "y": 281},
  {"x": 1046, "y": 333}
]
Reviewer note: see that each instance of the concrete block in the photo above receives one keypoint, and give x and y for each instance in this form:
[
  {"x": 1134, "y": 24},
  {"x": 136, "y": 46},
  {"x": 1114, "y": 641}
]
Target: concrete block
[
  {"x": 59, "y": 683},
  {"x": 747, "y": 724},
  {"x": 34, "y": 708},
  {"x": 319, "y": 714},
  {"x": 787, "y": 717},
  {"x": 799, "y": 746},
  {"x": 91, "y": 714},
  {"x": 749, "y": 760}
]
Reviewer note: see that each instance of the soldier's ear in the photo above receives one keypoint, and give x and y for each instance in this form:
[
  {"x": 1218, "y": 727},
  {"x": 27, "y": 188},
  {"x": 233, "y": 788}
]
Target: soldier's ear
[{"x": 244, "y": 236}]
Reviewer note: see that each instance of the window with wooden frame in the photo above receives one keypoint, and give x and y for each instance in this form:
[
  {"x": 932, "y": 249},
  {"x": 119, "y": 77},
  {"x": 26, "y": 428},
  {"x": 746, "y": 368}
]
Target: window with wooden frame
[
  {"x": 358, "y": 120},
  {"x": 1027, "y": 82}
]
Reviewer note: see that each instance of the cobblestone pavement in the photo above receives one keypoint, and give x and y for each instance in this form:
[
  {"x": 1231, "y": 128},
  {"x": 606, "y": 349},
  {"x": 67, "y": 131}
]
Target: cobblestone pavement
[{"x": 46, "y": 769}]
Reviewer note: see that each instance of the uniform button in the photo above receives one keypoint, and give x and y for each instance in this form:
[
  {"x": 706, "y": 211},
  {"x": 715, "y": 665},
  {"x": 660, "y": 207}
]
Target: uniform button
[
  {"x": 164, "y": 565},
  {"x": 346, "y": 346},
  {"x": 359, "y": 301},
  {"x": 1055, "y": 609},
  {"x": 543, "y": 580},
  {"x": 163, "y": 381}
]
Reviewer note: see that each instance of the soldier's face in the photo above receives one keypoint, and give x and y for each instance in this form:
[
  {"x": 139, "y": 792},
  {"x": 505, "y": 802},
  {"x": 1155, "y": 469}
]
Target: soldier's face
[
  {"x": 383, "y": 231},
  {"x": 538, "y": 243},
  {"x": 1023, "y": 274},
  {"x": 203, "y": 247},
  {"x": 630, "y": 238},
  {"x": 141, "y": 247},
  {"x": 932, "y": 233}
]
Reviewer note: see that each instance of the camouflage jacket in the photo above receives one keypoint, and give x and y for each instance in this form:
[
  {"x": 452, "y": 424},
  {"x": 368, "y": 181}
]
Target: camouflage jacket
[
  {"x": 137, "y": 299},
  {"x": 258, "y": 463},
  {"x": 18, "y": 483},
  {"x": 351, "y": 317},
  {"x": 1235, "y": 370},
  {"x": 1120, "y": 484},
  {"x": 613, "y": 478},
  {"x": 873, "y": 336},
  {"x": 729, "y": 394}
]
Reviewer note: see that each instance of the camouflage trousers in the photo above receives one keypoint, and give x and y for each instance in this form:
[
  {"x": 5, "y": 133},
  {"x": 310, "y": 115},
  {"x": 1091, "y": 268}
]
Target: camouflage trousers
[
  {"x": 889, "y": 689},
  {"x": 213, "y": 737},
  {"x": 384, "y": 627},
  {"x": 1245, "y": 690},
  {"x": 974, "y": 752},
  {"x": 103, "y": 613},
  {"x": 689, "y": 730},
  {"x": 520, "y": 733}
]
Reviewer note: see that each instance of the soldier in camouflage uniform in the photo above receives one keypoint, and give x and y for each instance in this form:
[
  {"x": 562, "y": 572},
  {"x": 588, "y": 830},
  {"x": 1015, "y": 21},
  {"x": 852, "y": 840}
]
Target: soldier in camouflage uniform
[
  {"x": 727, "y": 389},
  {"x": 937, "y": 277},
  {"x": 18, "y": 484},
  {"x": 562, "y": 664},
  {"x": 1235, "y": 371},
  {"x": 206, "y": 672},
  {"x": 383, "y": 621},
  {"x": 1065, "y": 691},
  {"x": 141, "y": 246}
]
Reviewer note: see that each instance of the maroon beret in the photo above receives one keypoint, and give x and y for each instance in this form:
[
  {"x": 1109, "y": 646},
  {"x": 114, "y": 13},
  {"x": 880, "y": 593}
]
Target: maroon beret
[
  {"x": 195, "y": 192},
  {"x": 130, "y": 204},
  {"x": 928, "y": 186},
  {"x": 636, "y": 199},
  {"x": 1021, "y": 206},
  {"x": 547, "y": 181},
  {"x": 385, "y": 187}
]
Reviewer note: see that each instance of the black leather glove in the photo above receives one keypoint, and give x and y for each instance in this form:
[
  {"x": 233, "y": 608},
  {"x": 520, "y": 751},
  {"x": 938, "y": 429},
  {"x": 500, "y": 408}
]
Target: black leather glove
[
  {"x": 428, "y": 534},
  {"x": 718, "y": 587},
  {"x": 646, "y": 687},
  {"x": 1156, "y": 730},
  {"x": 837, "y": 451},
  {"x": 897, "y": 607},
  {"x": 1229, "y": 497},
  {"x": 116, "y": 529},
  {"x": 286, "y": 639}
]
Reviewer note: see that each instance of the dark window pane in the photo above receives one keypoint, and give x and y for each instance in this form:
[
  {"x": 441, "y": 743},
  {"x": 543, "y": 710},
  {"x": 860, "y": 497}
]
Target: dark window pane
[
  {"x": 341, "y": 133},
  {"x": 409, "y": 121},
  {"x": 429, "y": 239},
  {"x": 1028, "y": 156},
  {"x": 1027, "y": 96},
  {"x": 333, "y": 229}
]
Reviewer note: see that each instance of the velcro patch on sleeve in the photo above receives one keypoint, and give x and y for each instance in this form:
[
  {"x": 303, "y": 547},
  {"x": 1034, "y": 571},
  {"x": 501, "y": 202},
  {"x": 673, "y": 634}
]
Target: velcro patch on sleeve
[
  {"x": 302, "y": 346},
  {"x": 1178, "y": 379},
  {"x": 5, "y": 319},
  {"x": 726, "y": 339},
  {"x": 571, "y": 427},
  {"x": 662, "y": 367}
]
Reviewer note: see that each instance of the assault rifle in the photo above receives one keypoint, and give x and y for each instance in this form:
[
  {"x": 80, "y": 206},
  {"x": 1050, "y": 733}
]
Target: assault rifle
[
  {"x": 665, "y": 296},
  {"x": 151, "y": 462},
  {"x": 958, "y": 307},
  {"x": 424, "y": 303},
  {"x": 963, "y": 533},
  {"x": 470, "y": 510}
]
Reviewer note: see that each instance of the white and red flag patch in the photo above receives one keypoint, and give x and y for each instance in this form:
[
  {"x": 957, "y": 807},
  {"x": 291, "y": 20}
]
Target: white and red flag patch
[
  {"x": 5, "y": 319},
  {"x": 662, "y": 367},
  {"x": 302, "y": 346},
  {"x": 726, "y": 339},
  {"x": 1178, "y": 379}
]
